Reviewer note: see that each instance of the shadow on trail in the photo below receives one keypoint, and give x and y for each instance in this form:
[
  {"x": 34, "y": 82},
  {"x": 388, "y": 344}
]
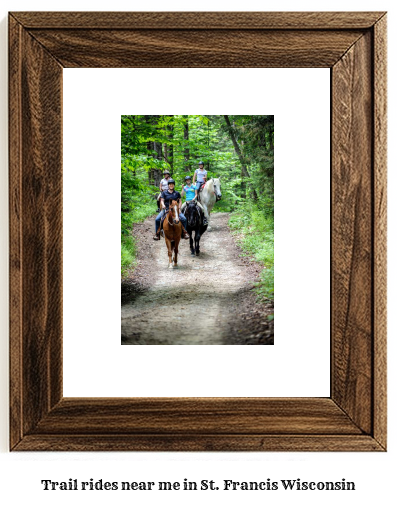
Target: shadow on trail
[
  {"x": 193, "y": 316},
  {"x": 206, "y": 300}
]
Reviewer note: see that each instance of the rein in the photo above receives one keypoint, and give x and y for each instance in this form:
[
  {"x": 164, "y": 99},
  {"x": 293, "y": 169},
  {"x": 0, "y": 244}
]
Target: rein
[
  {"x": 212, "y": 191},
  {"x": 168, "y": 220},
  {"x": 197, "y": 220},
  {"x": 189, "y": 218}
]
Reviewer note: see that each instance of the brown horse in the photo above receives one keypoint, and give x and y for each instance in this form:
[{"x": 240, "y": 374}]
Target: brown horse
[{"x": 172, "y": 228}]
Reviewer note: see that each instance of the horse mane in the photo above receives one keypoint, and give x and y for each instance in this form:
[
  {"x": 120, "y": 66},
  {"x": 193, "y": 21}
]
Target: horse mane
[
  {"x": 210, "y": 184},
  {"x": 172, "y": 204},
  {"x": 190, "y": 207}
]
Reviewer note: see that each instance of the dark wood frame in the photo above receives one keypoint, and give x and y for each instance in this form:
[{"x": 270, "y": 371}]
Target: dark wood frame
[{"x": 353, "y": 45}]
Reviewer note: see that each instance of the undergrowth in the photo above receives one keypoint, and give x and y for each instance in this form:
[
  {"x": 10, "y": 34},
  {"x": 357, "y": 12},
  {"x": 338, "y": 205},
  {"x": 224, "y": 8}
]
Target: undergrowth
[
  {"x": 253, "y": 225},
  {"x": 134, "y": 209}
]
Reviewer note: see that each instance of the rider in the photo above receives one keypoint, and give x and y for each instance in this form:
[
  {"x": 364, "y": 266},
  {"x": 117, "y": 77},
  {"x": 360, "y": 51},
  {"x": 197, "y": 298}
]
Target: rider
[
  {"x": 163, "y": 186},
  {"x": 166, "y": 197},
  {"x": 201, "y": 175},
  {"x": 191, "y": 195}
]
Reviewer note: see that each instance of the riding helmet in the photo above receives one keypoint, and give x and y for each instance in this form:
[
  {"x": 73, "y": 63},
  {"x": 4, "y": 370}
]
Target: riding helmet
[
  {"x": 166, "y": 172},
  {"x": 201, "y": 163},
  {"x": 171, "y": 181},
  {"x": 188, "y": 178}
]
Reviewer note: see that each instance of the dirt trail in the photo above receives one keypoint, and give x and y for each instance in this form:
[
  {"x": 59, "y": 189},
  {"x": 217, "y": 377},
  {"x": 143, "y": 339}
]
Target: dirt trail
[{"x": 205, "y": 301}]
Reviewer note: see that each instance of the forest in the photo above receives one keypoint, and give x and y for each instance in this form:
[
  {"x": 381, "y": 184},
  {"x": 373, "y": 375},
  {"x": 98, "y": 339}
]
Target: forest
[{"x": 237, "y": 149}]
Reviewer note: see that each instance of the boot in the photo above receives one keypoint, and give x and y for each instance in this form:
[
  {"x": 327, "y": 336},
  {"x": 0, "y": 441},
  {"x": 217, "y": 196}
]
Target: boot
[
  {"x": 185, "y": 235},
  {"x": 156, "y": 237}
]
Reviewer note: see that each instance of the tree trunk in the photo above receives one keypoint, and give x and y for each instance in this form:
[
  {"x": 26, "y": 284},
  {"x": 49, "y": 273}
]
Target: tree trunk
[
  {"x": 237, "y": 149},
  {"x": 155, "y": 174},
  {"x": 170, "y": 155},
  {"x": 165, "y": 151},
  {"x": 186, "y": 139}
]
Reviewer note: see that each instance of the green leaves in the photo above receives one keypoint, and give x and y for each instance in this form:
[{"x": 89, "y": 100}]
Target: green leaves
[
  {"x": 254, "y": 227},
  {"x": 152, "y": 143}
]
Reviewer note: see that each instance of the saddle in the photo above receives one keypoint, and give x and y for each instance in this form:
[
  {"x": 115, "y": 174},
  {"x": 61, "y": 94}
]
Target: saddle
[
  {"x": 162, "y": 220},
  {"x": 200, "y": 212},
  {"x": 199, "y": 191}
]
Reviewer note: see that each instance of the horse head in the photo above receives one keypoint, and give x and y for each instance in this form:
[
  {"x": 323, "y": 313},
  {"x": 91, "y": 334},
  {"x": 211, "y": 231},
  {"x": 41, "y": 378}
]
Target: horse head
[
  {"x": 217, "y": 188},
  {"x": 173, "y": 212},
  {"x": 191, "y": 214}
]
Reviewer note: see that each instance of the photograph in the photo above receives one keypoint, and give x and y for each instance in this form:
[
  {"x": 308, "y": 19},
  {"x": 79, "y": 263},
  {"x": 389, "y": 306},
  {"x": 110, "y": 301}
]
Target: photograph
[
  {"x": 69, "y": 386},
  {"x": 197, "y": 229}
]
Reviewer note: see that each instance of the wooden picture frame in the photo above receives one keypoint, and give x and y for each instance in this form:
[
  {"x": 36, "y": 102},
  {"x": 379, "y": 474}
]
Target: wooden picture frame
[{"x": 353, "y": 46}]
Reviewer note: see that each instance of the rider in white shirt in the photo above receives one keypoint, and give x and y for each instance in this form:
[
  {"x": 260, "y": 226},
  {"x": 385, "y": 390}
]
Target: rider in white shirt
[
  {"x": 201, "y": 175},
  {"x": 163, "y": 187}
]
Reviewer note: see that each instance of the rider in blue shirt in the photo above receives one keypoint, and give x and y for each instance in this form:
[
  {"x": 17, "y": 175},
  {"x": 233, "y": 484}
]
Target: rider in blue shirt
[
  {"x": 191, "y": 193},
  {"x": 189, "y": 189}
]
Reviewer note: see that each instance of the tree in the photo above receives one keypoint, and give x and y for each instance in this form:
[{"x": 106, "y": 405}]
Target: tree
[
  {"x": 239, "y": 153},
  {"x": 169, "y": 146},
  {"x": 236, "y": 147},
  {"x": 155, "y": 148},
  {"x": 186, "y": 144}
]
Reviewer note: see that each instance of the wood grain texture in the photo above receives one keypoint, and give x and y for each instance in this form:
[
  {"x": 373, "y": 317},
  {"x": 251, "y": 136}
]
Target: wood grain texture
[
  {"x": 197, "y": 416},
  {"x": 200, "y": 20},
  {"x": 196, "y": 48},
  {"x": 352, "y": 232},
  {"x": 36, "y": 187},
  {"x": 380, "y": 229},
  {"x": 15, "y": 232},
  {"x": 199, "y": 443},
  {"x": 355, "y": 416}
]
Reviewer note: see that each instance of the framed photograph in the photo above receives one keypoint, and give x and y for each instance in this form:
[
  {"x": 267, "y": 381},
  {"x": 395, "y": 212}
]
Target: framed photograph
[
  {"x": 353, "y": 46},
  {"x": 192, "y": 176},
  {"x": 91, "y": 221}
]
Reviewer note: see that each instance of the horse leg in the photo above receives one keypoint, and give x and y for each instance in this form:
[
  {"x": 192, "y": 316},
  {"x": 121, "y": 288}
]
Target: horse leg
[
  {"x": 173, "y": 246},
  {"x": 176, "y": 254},
  {"x": 191, "y": 242},
  {"x": 169, "y": 247},
  {"x": 207, "y": 215},
  {"x": 197, "y": 241}
]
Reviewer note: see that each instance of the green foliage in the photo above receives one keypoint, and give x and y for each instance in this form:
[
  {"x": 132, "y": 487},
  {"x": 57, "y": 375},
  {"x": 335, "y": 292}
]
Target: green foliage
[
  {"x": 127, "y": 253},
  {"x": 265, "y": 287},
  {"x": 137, "y": 203},
  {"x": 150, "y": 144},
  {"x": 253, "y": 225}
]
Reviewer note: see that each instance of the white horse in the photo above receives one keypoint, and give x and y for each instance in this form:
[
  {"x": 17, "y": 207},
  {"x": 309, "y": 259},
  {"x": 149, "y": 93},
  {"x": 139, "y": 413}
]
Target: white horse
[{"x": 209, "y": 195}]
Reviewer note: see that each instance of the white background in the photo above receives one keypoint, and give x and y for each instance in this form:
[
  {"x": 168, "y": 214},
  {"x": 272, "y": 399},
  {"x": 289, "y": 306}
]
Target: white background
[
  {"x": 373, "y": 473},
  {"x": 299, "y": 99}
]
